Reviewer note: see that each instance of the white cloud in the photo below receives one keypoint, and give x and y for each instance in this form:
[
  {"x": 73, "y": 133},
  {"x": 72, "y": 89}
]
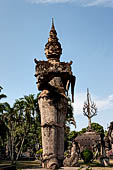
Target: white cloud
[
  {"x": 102, "y": 104},
  {"x": 104, "y": 3},
  {"x": 85, "y": 3},
  {"x": 48, "y": 1}
]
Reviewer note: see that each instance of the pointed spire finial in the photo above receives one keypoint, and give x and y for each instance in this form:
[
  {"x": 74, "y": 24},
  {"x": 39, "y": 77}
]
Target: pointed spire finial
[
  {"x": 53, "y": 28},
  {"x": 87, "y": 90},
  {"x": 53, "y": 23}
]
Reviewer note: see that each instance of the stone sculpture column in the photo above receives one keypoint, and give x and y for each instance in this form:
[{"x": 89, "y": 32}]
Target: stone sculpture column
[{"x": 53, "y": 79}]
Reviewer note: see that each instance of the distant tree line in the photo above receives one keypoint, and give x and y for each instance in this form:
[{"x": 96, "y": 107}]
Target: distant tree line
[{"x": 20, "y": 127}]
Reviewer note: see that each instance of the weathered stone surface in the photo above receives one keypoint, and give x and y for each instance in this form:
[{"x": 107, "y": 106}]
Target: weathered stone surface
[
  {"x": 88, "y": 140},
  {"x": 53, "y": 112},
  {"x": 109, "y": 141},
  {"x": 72, "y": 160}
]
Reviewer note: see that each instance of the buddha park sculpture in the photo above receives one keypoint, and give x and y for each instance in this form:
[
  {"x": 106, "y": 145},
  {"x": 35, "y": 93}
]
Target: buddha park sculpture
[{"x": 53, "y": 80}]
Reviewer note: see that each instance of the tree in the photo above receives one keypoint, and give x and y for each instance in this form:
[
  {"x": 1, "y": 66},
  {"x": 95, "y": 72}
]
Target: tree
[
  {"x": 28, "y": 129},
  {"x": 98, "y": 128},
  {"x": 1, "y": 97},
  {"x": 69, "y": 120},
  {"x": 70, "y": 115},
  {"x": 10, "y": 118},
  {"x": 94, "y": 126},
  {"x": 3, "y": 128},
  {"x": 21, "y": 125}
]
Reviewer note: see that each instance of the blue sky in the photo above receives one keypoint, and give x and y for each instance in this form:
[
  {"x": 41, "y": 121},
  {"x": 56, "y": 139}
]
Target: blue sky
[{"x": 85, "y": 31}]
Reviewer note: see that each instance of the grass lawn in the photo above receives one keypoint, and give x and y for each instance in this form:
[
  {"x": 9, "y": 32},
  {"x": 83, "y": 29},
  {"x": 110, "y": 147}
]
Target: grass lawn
[{"x": 95, "y": 165}]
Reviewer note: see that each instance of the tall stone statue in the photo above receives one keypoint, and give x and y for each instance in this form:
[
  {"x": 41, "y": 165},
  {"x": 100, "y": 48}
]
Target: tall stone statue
[{"x": 53, "y": 79}]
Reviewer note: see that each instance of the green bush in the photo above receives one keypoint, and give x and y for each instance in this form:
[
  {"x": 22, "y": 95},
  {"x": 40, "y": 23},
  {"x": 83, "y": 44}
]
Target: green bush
[
  {"x": 40, "y": 151},
  {"x": 87, "y": 155}
]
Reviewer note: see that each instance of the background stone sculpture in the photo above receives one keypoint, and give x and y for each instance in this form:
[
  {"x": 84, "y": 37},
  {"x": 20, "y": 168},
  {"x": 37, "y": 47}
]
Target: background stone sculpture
[
  {"x": 109, "y": 141},
  {"x": 89, "y": 109}
]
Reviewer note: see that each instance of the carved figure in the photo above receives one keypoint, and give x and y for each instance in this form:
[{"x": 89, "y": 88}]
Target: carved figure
[
  {"x": 53, "y": 79},
  {"x": 72, "y": 159},
  {"x": 109, "y": 141}
]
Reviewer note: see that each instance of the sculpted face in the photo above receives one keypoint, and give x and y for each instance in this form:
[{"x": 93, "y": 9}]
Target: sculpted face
[{"x": 53, "y": 49}]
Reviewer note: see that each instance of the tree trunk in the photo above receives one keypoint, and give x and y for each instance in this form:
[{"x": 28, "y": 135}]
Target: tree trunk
[
  {"x": 12, "y": 146},
  {"x": 9, "y": 146},
  {"x": 19, "y": 152}
]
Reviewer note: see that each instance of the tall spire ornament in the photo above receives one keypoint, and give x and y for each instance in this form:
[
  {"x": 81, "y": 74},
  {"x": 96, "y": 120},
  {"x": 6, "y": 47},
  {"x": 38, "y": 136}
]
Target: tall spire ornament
[
  {"x": 53, "y": 48},
  {"x": 89, "y": 109}
]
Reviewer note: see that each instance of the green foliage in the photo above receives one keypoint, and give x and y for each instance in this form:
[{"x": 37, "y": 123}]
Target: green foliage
[
  {"x": 72, "y": 135},
  {"x": 98, "y": 128},
  {"x": 95, "y": 126},
  {"x": 66, "y": 153},
  {"x": 82, "y": 131},
  {"x": 20, "y": 126},
  {"x": 39, "y": 154},
  {"x": 69, "y": 136},
  {"x": 40, "y": 151},
  {"x": 105, "y": 133},
  {"x": 70, "y": 110},
  {"x": 87, "y": 155},
  {"x": 1, "y": 97},
  {"x": 3, "y": 127}
]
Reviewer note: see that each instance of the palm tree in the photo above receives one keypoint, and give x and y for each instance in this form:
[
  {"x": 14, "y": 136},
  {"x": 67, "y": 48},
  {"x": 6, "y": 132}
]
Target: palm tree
[
  {"x": 26, "y": 108},
  {"x": 3, "y": 128},
  {"x": 10, "y": 118},
  {"x": 70, "y": 115},
  {"x": 69, "y": 120},
  {"x": 1, "y": 97}
]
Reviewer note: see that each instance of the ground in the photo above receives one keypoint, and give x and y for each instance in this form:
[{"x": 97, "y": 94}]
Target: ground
[{"x": 35, "y": 165}]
